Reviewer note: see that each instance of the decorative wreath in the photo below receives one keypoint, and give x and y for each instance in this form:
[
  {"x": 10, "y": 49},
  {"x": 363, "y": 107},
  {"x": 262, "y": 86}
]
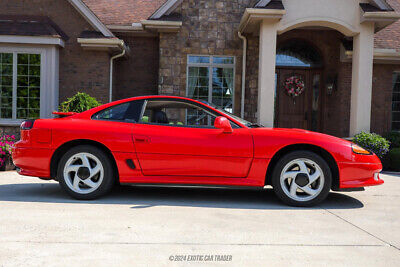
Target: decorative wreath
[{"x": 294, "y": 86}]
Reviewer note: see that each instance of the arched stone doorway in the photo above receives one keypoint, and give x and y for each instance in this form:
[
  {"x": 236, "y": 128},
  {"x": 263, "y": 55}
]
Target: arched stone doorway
[{"x": 298, "y": 65}]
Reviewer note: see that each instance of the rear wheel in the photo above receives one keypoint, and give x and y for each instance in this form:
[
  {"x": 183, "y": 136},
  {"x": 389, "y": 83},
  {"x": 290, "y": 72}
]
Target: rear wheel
[
  {"x": 302, "y": 178},
  {"x": 85, "y": 172}
]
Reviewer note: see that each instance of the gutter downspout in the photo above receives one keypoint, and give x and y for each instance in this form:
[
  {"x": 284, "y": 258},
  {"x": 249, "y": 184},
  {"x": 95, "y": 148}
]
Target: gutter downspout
[
  {"x": 243, "y": 73},
  {"x": 112, "y": 68}
]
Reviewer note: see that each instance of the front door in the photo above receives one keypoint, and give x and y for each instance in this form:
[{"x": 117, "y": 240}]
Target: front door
[
  {"x": 177, "y": 138},
  {"x": 298, "y": 101}
]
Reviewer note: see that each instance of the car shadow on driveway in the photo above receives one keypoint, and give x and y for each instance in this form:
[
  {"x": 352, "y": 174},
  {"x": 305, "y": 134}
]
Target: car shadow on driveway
[{"x": 151, "y": 196}]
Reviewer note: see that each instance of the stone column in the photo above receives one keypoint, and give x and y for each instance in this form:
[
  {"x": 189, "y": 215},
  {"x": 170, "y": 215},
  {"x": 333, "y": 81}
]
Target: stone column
[
  {"x": 266, "y": 72},
  {"x": 361, "y": 84}
]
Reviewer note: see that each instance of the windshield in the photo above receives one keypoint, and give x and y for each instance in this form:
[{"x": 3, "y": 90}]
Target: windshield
[{"x": 242, "y": 121}]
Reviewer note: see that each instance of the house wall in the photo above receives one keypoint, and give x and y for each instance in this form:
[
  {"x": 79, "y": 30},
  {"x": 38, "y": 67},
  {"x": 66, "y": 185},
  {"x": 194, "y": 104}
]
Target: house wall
[
  {"x": 137, "y": 74},
  {"x": 209, "y": 28},
  {"x": 80, "y": 70},
  {"x": 382, "y": 90}
]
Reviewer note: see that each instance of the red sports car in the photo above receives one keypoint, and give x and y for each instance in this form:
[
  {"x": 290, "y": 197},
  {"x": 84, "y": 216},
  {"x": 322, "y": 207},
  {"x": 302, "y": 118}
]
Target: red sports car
[{"x": 181, "y": 141}]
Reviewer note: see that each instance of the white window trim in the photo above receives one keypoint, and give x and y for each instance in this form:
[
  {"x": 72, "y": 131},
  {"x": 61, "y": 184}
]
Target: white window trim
[
  {"x": 48, "y": 79},
  {"x": 211, "y": 65}
]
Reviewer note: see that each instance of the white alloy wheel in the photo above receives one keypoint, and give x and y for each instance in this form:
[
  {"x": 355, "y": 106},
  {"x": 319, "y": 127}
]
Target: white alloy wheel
[
  {"x": 302, "y": 179},
  {"x": 83, "y": 173}
]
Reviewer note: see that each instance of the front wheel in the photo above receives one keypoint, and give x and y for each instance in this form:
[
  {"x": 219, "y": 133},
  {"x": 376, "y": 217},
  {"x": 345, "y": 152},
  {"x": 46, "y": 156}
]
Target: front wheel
[
  {"x": 85, "y": 172},
  {"x": 302, "y": 178}
]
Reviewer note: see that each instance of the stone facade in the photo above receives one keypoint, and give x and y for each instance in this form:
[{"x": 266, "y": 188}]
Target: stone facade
[{"x": 209, "y": 28}]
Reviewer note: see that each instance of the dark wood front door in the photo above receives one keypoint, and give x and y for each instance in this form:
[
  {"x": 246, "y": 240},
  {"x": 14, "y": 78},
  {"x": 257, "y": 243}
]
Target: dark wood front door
[{"x": 302, "y": 111}]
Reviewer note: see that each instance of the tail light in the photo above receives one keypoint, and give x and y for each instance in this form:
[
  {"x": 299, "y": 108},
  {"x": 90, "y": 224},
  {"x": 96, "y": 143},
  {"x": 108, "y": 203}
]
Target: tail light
[{"x": 27, "y": 125}]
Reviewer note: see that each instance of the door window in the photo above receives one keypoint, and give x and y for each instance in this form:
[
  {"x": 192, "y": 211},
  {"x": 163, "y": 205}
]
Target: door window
[
  {"x": 177, "y": 113},
  {"x": 125, "y": 112}
]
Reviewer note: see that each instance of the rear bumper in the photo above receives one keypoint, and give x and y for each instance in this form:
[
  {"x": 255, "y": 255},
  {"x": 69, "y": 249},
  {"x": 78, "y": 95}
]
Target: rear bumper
[
  {"x": 353, "y": 175},
  {"x": 32, "y": 161}
]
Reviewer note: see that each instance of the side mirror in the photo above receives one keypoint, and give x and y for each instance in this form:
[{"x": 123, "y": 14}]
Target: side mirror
[{"x": 224, "y": 124}]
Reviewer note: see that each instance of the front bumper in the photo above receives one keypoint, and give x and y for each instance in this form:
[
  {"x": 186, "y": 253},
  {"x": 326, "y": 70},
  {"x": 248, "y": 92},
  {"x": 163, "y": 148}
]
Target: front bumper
[{"x": 360, "y": 174}]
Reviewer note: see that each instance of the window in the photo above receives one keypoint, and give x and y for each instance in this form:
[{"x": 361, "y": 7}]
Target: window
[
  {"x": 298, "y": 53},
  {"x": 20, "y": 84},
  {"x": 396, "y": 102},
  {"x": 177, "y": 113},
  {"x": 126, "y": 112},
  {"x": 212, "y": 79}
]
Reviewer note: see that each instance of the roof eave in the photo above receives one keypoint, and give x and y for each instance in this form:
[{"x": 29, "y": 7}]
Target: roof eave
[
  {"x": 253, "y": 16},
  {"x": 162, "y": 25},
  {"x": 102, "y": 44},
  {"x": 381, "y": 19}
]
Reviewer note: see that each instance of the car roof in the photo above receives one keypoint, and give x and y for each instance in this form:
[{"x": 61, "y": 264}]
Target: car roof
[{"x": 89, "y": 113}]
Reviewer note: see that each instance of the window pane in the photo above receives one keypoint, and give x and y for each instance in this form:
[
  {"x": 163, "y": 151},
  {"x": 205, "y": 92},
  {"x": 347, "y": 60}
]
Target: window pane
[
  {"x": 222, "y": 92},
  {"x": 6, "y": 58},
  {"x": 6, "y": 74},
  {"x": 223, "y": 60},
  {"x": 198, "y": 82},
  {"x": 199, "y": 59},
  {"x": 298, "y": 54},
  {"x": 396, "y": 96},
  {"x": 395, "y": 125},
  {"x": 28, "y": 86},
  {"x": 115, "y": 113}
]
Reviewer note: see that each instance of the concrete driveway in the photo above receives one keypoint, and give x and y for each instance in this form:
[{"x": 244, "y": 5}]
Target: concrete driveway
[{"x": 40, "y": 225}]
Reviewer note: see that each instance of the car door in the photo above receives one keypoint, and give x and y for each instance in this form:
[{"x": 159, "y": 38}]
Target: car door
[{"x": 179, "y": 145}]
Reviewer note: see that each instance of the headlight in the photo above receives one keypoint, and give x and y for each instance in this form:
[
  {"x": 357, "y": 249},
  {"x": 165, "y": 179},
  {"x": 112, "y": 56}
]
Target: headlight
[{"x": 359, "y": 150}]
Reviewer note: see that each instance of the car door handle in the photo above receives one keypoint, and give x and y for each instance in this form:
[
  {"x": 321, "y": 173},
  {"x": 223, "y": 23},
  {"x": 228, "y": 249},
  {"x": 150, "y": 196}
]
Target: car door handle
[{"x": 142, "y": 139}]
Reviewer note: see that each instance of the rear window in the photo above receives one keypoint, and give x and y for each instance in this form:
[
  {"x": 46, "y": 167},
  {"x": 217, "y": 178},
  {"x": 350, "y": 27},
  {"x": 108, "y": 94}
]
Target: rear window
[{"x": 126, "y": 112}]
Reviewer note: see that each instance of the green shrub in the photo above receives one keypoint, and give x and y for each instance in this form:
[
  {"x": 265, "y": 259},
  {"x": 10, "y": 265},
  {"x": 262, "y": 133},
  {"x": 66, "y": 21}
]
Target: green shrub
[
  {"x": 373, "y": 143},
  {"x": 394, "y": 139},
  {"x": 394, "y": 159},
  {"x": 79, "y": 103}
]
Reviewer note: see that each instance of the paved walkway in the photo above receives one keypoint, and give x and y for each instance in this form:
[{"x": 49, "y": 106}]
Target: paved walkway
[{"x": 40, "y": 225}]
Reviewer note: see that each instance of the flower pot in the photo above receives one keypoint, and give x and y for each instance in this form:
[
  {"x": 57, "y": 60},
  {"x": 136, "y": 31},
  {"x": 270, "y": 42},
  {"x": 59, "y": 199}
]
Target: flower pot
[{"x": 7, "y": 165}]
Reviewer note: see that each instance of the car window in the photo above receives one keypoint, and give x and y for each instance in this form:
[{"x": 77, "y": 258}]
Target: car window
[
  {"x": 177, "y": 113},
  {"x": 127, "y": 112}
]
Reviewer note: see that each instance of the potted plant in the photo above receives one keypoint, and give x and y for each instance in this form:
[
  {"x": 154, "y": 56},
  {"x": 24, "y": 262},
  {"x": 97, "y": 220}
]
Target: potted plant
[
  {"x": 78, "y": 103},
  {"x": 6, "y": 145}
]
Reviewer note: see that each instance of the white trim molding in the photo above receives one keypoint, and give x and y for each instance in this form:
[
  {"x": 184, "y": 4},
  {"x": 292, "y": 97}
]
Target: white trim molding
[
  {"x": 166, "y": 9},
  {"x": 381, "y": 55},
  {"x": 40, "y": 40},
  {"x": 162, "y": 26},
  {"x": 91, "y": 17},
  {"x": 252, "y": 18},
  {"x": 110, "y": 44}
]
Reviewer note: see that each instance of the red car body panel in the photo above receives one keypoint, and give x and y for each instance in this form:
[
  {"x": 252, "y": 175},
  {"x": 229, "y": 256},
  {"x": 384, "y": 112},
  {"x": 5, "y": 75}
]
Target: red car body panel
[{"x": 165, "y": 154}]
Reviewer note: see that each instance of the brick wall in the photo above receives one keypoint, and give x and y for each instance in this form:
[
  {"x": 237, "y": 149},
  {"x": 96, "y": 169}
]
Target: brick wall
[
  {"x": 209, "y": 28},
  {"x": 137, "y": 74},
  {"x": 80, "y": 70},
  {"x": 382, "y": 98}
]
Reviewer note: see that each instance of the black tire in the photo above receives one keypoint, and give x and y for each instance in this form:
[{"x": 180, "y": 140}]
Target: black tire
[
  {"x": 323, "y": 189},
  {"x": 108, "y": 178}
]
